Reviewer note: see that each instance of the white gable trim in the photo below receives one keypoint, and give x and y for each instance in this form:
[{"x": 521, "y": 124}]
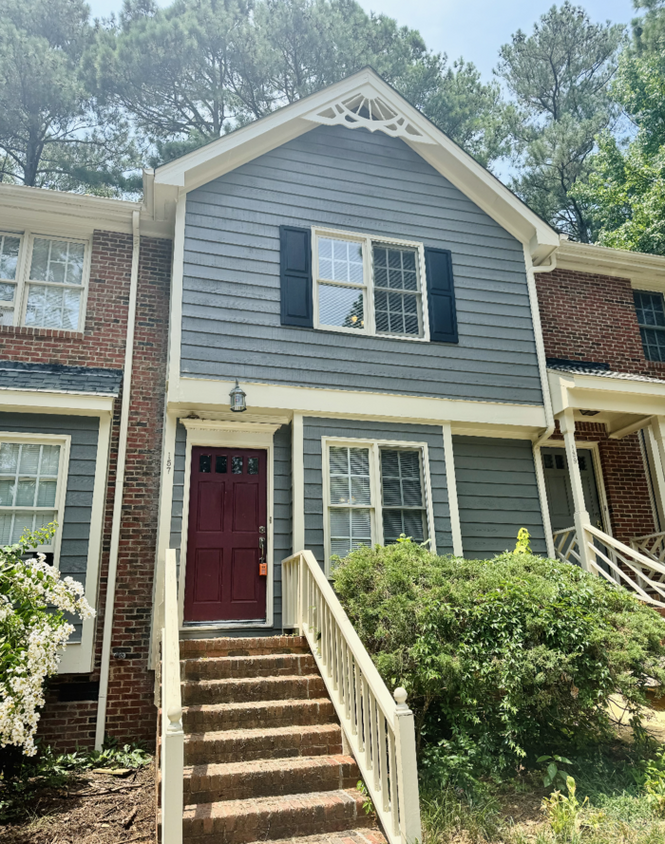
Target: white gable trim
[{"x": 393, "y": 115}]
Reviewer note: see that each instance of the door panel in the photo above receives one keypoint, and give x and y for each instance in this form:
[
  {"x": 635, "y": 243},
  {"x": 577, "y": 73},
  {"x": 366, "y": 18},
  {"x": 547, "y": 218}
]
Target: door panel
[{"x": 227, "y": 517}]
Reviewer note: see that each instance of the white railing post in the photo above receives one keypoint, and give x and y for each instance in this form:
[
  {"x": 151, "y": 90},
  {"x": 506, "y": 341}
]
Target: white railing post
[
  {"x": 172, "y": 757},
  {"x": 567, "y": 426},
  {"x": 407, "y": 784}
]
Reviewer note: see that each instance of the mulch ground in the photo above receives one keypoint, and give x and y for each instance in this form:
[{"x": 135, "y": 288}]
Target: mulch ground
[{"x": 95, "y": 808}]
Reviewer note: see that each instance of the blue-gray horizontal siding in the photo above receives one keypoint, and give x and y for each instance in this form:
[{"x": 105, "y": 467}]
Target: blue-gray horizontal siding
[
  {"x": 281, "y": 505},
  {"x": 349, "y": 179},
  {"x": 314, "y": 428},
  {"x": 75, "y": 527},
  {"x": 497, "y": 494}
]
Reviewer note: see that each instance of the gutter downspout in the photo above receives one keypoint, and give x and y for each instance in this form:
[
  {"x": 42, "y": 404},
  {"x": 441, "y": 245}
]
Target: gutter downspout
[
  {"x": 119, "y": 487},
  {"x": 545, "y": 387}
]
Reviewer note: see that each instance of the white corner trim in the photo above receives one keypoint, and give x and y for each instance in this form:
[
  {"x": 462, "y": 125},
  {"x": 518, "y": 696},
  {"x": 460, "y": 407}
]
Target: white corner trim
[
  {"x": 78, "y": 658},
  {"x": 544, "y": 503},
  {"x": 298, "y": 483},
  {"x": 451, "y": 483},
  {"x": 379, "y": 115}
]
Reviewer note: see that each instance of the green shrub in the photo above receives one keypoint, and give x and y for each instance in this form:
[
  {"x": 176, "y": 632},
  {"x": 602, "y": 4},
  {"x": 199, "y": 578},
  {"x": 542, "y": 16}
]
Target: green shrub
[{"x": 502, "y": 658}]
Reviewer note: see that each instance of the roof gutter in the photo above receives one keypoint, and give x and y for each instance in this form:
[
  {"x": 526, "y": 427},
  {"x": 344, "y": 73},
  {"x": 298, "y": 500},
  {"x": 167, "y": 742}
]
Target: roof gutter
[{"x": 119, "y": 487}]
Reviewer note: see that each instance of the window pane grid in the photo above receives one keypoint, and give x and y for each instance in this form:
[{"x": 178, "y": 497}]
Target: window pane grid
[
  {"x": 403, "y": 508},
  {"x": 28, "y": 487},
  {"x": 57, "y": 261},
  {"x": 650, "y": 311},
  {"x": 9, "y": 249},
  {"x": 396, "y": 291},
  {"x": 350, "y": 499}
]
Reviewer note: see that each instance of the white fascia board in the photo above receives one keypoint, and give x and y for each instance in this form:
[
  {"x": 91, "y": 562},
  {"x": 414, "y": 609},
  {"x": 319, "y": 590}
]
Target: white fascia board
[
  {"x": 239, "y": 147},
  {"x": 40, "y": 401},
  {"x": 195, "y": 394},
  {"x": 614, "y": 395},
  {"x": 644, "y": 271}
]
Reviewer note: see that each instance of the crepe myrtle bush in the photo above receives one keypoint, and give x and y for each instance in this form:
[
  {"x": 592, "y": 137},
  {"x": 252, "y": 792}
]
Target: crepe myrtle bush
[
  {"x": 502, "y": 658},
  {"x": 33, "y": 631}
]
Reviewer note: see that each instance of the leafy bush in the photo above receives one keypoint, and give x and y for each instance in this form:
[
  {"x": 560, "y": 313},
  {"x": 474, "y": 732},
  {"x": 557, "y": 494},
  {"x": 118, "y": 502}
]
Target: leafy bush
[
  {"x": 33, "y": 632},
  {"x": 502, "y": 658}
]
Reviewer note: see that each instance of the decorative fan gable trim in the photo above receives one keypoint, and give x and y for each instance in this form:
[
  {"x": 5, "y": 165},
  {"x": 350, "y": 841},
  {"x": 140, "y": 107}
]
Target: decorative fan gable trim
[{"x": 366, "y": 109}]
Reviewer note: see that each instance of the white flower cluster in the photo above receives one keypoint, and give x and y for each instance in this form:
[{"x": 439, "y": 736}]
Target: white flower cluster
[{"x": 30, "y": 592}]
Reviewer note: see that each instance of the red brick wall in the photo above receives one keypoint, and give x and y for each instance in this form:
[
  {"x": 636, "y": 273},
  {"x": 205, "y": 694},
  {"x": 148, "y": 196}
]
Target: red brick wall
[
  {"x": 624, "y": 478},
  {"x": 590, "y": 317},
  {"x": 131, "y": 714}
]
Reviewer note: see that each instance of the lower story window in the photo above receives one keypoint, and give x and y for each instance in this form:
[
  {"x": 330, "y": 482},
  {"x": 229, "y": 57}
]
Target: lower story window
[
  {"x": 30, "y": 488},
  {"x": 376, "y": 493}
]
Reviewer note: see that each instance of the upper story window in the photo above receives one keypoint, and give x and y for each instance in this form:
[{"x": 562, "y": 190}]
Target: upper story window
[
  {"x": 31, "y": 486},
  {"x": 365, "y": 284},
  {"x": 651, "y": 319},
  {"x": 369, "y": 286},
  {"x": 43, "y": 281}
]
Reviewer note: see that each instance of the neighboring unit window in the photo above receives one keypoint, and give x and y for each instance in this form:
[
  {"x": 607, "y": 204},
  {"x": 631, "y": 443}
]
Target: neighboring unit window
[
  {"x": 29, "y": 493},
  {"x": 376, "y": 494},
  {"x": 651, "y": 319},
  {"x": 369, "y": 286},
  {"x": 9, "y": 252},
  {"x": 56, "y": 302}
]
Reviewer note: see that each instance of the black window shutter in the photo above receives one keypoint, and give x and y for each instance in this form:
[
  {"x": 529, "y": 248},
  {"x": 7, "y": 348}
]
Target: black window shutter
[
  {"x": 441, "y": 296},
  {"x": 296, "y": 276}
]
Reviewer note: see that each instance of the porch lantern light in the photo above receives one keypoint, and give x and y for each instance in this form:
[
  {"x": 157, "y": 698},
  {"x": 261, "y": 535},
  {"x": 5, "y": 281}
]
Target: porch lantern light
[{"x": 238, "y": 396}]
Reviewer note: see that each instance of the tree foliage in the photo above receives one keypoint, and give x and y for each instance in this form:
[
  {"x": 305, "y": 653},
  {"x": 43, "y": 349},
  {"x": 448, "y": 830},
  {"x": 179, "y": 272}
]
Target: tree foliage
[
  {"x": 626, "y": 189},
  {"x": 559, "y": 79},
  {"x": 189, "y": 72},
  {"x": 50, "y": 132},
  {"x": 503, "y": 658}
]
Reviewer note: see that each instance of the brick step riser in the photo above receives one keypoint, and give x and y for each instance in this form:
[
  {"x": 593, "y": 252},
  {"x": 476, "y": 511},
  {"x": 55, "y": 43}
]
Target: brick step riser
[
  {"x": 206, "y": 751},
  {"x": 223, "y": 668},
  {"x": 295, "y": 817},
  {"x": 207, "y": 692},
  {"x": 245, "y": 786},
  {"x": 256, "y": 646},
  {"x": 302, "y": 715}
]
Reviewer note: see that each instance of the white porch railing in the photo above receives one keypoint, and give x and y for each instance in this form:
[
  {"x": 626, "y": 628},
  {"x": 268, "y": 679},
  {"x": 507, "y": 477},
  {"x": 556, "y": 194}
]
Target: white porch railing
[
  {"x": 615, "y": 561},
  {"x": 653, "y": 546},
  {"x": 379, "y": 730},
  {"x": 172, "y": 748}
]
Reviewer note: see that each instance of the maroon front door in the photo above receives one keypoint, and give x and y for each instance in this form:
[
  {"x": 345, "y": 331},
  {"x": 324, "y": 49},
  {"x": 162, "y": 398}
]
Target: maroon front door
[{"x": 227, "y": 535}]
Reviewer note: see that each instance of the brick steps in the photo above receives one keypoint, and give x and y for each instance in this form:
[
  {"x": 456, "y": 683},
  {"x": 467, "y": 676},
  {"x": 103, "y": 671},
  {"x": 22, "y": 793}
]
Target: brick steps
[
  {"x": 252, "y": 689},
  {"x": 265, "y": 665},
  {"x": 244, "y": 821},
  {"x": 263, "y": 748},
  {"x": 268, "y": 778},
  {"x": 271, "y": 713},
  {"x": 258, "y": 646},
  {"x": 268, "y": 743}
]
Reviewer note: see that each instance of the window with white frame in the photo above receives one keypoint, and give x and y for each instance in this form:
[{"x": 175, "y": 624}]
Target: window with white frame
[
  {"x": 31, "y": 487},
  {"x": 42, "y": 281},
  {"x": 375, "y": 492},
  {"x": 369, "y": 285}
]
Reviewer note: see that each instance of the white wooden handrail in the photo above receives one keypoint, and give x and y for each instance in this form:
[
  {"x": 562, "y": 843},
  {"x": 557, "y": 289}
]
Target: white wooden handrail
[
  {"x": 172, "y": 751},
  {"x": 616, "y": 562},
  {"x": 379, "y": 729}
]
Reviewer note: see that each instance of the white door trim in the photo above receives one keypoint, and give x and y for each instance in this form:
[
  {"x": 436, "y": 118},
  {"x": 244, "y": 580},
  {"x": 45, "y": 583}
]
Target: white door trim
[{"x": 222, "y": 434}]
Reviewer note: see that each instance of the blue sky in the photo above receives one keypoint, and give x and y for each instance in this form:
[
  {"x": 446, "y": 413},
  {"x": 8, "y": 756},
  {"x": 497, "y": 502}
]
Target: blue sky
[{"x": 474, "y": 29}]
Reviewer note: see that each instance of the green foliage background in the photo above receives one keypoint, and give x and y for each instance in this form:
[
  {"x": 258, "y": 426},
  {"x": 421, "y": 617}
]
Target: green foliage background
[{"x": 502, "y": 659}]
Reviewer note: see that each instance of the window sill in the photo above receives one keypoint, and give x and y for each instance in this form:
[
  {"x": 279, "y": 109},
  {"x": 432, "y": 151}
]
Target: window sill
[{"x": 30, "y": 331}]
